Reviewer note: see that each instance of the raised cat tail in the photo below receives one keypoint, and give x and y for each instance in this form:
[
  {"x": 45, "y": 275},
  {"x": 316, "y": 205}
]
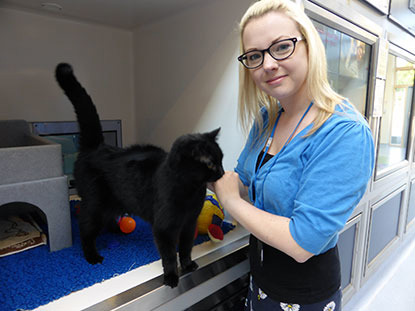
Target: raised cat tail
[{"x": 89, "y": 124}]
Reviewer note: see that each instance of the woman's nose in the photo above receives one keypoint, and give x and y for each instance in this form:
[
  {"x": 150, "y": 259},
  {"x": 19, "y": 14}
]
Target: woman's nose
[{"x": 269, "y": 62}]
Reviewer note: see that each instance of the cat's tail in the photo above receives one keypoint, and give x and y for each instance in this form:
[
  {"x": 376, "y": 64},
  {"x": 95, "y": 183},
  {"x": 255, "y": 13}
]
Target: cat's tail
[{"x": 89, "y": 124}]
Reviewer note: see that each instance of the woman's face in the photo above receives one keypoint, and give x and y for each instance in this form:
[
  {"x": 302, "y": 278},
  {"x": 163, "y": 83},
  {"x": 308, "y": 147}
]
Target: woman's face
[{"x": 284, "y": 80}]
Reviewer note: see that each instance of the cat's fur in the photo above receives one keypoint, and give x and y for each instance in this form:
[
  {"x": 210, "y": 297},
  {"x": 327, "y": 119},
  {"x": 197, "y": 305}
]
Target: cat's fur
[{"x": 165, "y": 189}]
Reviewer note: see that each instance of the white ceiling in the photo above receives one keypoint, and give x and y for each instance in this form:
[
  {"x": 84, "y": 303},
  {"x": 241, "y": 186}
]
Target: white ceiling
[{"x": 119, "y": 13}]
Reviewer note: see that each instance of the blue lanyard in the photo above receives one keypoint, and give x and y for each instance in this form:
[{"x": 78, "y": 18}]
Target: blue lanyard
[{"x": 268, "y": 144}]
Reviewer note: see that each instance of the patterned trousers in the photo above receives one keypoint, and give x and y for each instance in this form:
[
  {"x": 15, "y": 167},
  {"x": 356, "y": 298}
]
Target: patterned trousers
[{"x": 257, "y": 300}]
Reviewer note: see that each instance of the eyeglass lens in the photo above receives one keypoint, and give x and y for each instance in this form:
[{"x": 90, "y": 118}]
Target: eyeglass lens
[{"x": 279, "y": 50}]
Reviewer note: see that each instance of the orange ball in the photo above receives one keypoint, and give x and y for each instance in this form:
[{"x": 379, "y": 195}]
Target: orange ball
[{"x": 127, "y": 224}]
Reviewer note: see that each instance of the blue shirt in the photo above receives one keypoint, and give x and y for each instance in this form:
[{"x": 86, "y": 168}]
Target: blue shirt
[{"x": 316, "y": 181}]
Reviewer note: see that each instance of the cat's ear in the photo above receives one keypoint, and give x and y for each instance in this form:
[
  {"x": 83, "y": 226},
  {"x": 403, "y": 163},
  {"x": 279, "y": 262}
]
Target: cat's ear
[{"x": 213, "y": 135}]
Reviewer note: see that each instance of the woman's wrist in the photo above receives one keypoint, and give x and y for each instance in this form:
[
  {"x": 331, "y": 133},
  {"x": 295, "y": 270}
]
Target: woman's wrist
[{"x": 231, "y": 203}]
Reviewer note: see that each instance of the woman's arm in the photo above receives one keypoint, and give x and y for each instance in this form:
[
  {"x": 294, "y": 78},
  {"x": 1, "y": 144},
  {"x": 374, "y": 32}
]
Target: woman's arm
[{"x": 271, "y": 229}]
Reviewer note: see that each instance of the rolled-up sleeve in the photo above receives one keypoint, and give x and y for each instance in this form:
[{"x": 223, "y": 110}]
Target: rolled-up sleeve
[
  {"x": 241, "y": 168},
  {"x": 335, "y": 176},
  {"x": 245, "y": 166}
]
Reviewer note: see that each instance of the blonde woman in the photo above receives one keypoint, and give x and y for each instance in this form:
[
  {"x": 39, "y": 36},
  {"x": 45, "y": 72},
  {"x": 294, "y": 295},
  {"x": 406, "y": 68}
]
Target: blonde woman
[{"x": 305, "y": 166}]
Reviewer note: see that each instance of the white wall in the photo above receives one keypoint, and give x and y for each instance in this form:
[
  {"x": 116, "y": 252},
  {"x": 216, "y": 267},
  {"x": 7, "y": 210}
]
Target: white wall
[
  {"x": 187, "y": 76},
  {"x": 32, "y": 45},
  {"x": 174, "y": 76}
]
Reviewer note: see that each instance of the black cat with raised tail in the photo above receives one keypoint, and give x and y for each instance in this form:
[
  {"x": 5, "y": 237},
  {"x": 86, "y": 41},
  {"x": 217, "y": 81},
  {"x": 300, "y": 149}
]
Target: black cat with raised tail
[{"x": 167, "y": 189}]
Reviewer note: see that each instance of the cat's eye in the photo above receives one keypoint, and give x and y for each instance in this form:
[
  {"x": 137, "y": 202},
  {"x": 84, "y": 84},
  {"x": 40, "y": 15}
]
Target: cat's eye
[{"x": 210, "y": 166}]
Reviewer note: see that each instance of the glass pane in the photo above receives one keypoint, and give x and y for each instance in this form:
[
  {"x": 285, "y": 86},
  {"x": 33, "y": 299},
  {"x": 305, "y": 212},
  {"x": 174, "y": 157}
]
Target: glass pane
[
  {"x": 348, "y": 62},
  {"x": 394, "y": 125},
  {"x": 346, "y": 245},
  {"x": 384, "y": 225},
  {"x": 411, "y": 205}
]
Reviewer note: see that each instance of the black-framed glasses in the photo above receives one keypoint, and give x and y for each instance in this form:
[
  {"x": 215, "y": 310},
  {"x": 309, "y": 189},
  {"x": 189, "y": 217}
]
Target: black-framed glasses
[{"x": 279, "y": 50}]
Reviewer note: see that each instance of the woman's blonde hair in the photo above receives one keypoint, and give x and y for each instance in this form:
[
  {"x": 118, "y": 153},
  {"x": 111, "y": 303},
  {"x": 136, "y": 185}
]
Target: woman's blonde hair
[{"x": 252, "y": 99}]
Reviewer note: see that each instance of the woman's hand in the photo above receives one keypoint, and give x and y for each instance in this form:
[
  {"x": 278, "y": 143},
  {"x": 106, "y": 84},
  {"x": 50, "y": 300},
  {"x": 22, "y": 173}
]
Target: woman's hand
[{"x": 227, "y": 187}]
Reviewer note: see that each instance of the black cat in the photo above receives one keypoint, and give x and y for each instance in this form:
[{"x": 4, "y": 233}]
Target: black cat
[{"x": 165, "y": 189}]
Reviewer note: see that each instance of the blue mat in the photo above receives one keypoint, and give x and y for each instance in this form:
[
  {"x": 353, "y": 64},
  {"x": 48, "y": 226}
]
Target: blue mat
[{"x": 35, "y": 277}]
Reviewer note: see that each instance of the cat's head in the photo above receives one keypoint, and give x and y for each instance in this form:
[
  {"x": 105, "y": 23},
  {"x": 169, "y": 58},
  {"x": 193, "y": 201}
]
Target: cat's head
[{"x": 198, "y": 156}]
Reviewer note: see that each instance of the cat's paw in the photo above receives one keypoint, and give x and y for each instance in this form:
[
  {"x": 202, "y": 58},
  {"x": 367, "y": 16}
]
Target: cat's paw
[
  {"x": 171, "y": 280},
  {"x": 190, "y": 267},
  {"x": 94, "y": 258}
]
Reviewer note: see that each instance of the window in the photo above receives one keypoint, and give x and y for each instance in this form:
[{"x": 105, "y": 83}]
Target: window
[
  {"x": 394, "y": 127},
  {"x": 348, "y": 63}
]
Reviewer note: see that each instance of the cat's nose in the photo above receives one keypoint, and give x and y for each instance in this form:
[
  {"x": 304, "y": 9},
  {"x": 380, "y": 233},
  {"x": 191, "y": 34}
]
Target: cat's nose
[
  {"x": 221, "y": 171},
  {"x": 217, "y": 173}
]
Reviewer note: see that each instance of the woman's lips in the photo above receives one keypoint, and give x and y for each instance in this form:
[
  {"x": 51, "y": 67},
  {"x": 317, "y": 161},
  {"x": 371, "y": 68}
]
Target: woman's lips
[{"x": 276, "y": 80}]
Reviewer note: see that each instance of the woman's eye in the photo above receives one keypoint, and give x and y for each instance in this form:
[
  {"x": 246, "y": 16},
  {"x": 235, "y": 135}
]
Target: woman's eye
[
  {"x": 254, "y": 57},
  {"x": 282, "y": 47}
]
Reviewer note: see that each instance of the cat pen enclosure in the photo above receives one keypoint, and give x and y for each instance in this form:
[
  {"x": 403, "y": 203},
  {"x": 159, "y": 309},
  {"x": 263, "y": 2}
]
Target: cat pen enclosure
[{"x": 31, "y": 172}]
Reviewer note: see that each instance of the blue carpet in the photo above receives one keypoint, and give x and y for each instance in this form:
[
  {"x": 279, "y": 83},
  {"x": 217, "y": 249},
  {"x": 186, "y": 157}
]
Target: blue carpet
[{"x": 35, "y": 277}]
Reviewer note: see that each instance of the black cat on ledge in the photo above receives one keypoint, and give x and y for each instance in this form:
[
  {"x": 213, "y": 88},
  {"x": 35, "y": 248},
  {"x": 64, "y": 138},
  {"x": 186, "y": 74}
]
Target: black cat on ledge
[{"x": 166, "y": 189}]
